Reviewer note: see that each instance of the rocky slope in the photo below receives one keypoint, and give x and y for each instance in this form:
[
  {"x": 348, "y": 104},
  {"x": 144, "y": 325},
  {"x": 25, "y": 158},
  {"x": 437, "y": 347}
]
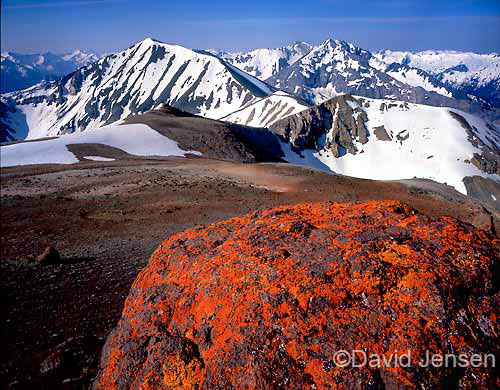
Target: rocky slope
[
  {"x": 265, "y": 300},
  {"x": 338, "y": 67},
  {"x": 213, "y": 139},
  {"x": 20, "y": 71},
  {"x": 108, "y": 216},
  {"x": 387, "y": 140},
  {"x": 133, "y": 81}
]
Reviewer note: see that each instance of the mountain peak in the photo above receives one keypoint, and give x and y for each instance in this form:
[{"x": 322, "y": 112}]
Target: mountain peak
[
  {"x": 193, "y": 83},
  {"x": 147, "y": 42},
  {"x": 339, "y": 46},
  {"x": 338, "y": 43},
  {"x": 330, "y": 42},
  {"x": 300, "y": 43}
]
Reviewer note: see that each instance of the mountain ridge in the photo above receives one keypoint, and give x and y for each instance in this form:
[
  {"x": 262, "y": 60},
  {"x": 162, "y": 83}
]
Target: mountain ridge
[
  {"x": 337, "y": 67},
  {"x": 264, "y": 62},
  {"x": 140, "y": 78},
  {"x": 215, "y": 84},
  {"x": 422, "y": 76},
  {"x": 392, "y": 140},
  {"x": 467, "y": 72},
  {"x": 20, "y": 71}
]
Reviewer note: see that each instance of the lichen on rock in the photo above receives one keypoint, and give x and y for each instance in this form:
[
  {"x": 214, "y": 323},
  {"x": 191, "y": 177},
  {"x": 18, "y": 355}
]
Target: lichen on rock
[{"x": 265, "y": 300}]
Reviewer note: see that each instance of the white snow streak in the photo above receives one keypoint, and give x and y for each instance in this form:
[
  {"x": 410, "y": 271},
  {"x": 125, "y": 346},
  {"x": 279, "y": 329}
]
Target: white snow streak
[{"x": 136, "y": 139}]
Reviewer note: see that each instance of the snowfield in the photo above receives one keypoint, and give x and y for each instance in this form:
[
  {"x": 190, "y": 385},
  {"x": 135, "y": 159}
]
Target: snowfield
[
  {"x": 99, "y": 158},
  {"x": 256, "y": 82},
  {"x": 441, "y": 60},
  {"x": 426, "y": 142},
  {"x": 456, "y": 69},
  {"x": 135, "y": 139},
  {"x": 416, "y": 78}
]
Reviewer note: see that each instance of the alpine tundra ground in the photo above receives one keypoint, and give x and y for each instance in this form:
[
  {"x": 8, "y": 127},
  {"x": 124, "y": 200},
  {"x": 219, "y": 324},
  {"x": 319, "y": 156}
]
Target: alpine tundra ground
[{"x": 106, "y": 218}]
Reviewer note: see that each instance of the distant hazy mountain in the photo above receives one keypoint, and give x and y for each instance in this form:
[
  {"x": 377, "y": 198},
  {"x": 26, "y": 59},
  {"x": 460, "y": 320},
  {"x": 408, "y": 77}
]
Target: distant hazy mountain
[
  {"x": 264, "y": 63},
  {"x": 132, "y": 81},
  {"x": 468, "y": 73},
  {"x": 20, "y": 71}
]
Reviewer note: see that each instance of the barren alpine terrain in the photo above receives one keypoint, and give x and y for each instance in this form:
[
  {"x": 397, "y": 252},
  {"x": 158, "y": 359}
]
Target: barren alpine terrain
[
  {"x": 106, "y": 219},
  {"x": 246, "y": 196}
]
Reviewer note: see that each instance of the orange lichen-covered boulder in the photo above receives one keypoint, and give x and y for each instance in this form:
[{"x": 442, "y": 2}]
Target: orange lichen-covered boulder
[{"x": 266, "y": 301}]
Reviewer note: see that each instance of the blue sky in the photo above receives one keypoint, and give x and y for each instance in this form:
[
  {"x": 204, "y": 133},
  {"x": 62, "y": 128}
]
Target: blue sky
[{"x": 29, "y": 26}]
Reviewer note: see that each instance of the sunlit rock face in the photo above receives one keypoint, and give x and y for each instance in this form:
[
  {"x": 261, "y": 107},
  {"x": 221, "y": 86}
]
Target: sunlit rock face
[{"x": 264, "y": 301}]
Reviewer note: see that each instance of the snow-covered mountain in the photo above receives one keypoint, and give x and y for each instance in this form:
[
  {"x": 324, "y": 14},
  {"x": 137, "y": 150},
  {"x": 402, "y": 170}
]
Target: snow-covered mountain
[
  {"x": 469, "y": 73},
  {"x": 165, "y": 131},
  {"x": 264, "y": 63},
  {"x": 265, "y": 112},
  {"x": 420, "y": 78},
  {"x": 337, "y": 67},
  {"x": 80, "y": 57},
  {"x": 132, "y": 81},
  {"x": 218, "y": 85},
  {"x": 438, "y": 61},
  {"x": 388, "y": 140},
  {"x": 20, "y": 71},
  {"x": 452, "y": 74}
]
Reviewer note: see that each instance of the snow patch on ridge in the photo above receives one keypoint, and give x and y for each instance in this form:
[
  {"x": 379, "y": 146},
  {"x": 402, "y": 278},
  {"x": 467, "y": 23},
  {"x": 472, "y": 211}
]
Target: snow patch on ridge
[
  {"x": 425, "y": 142},
  {"x": 135, "y": 139},
  {"x": 268, "y": 110},
  {"x": 99, "y": 158}
]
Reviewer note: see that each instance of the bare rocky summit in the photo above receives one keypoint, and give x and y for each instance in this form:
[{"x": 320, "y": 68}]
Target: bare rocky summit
[
  {"x": 214, "y": 139},
  {"x": 346, "y": 124}
]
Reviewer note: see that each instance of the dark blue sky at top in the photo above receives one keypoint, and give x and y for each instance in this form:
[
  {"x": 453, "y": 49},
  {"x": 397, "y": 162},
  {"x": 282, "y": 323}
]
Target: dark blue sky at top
[{"x": 29, "y": 26}]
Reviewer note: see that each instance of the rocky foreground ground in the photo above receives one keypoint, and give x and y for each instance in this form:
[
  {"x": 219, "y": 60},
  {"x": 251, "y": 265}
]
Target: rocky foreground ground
[
  {"x": 265, "y": 301},
  {"x": 106, "y": 219}
]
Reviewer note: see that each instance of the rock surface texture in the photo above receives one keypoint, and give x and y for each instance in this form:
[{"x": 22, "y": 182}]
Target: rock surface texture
[
  {"x": 345, "y": 125},
  {"x": 49, "y": 256},
  {"x": 264, "y": 301}
]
